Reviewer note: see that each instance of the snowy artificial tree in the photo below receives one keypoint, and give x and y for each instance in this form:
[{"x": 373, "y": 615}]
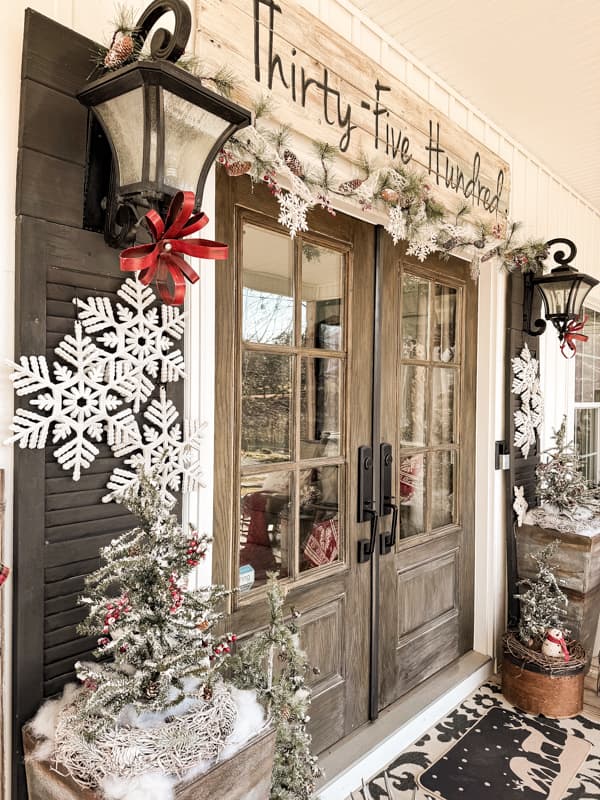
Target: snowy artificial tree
[
  {"x": 543, "y": 603},
  {"x": 159, "y": 632},
  {"x": 284, "y": 692},
  {"x": 560, "y": 481}
]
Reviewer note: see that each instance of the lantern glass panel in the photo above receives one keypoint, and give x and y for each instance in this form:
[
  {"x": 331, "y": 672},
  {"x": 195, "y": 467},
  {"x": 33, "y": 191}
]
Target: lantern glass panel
[
  {"x": 190, "y": 134},
  {"x": 123, "y": 119},
  {"x": 556, "y": 296},
  {"x": 579, "y": 296}
]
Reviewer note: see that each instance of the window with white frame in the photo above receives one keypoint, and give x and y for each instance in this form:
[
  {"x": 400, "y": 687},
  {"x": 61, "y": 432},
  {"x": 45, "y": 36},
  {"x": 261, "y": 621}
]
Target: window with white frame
[{"x": 587, "y": 399}]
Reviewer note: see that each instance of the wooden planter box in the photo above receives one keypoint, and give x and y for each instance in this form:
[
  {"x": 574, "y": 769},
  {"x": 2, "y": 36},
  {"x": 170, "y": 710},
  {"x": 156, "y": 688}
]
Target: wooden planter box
[
  {"x": 578, "y": 573},
  {"x": 245, "y": 776}
]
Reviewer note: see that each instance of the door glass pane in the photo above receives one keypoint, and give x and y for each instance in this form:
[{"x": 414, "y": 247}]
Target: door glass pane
[
  {"x": 265, "y": 525},
  {"x": 412, "y": 495},
  {"x": 320, "y": 490},
  {"x": 444, "y": 323},
  {"x": 442, "y": 410},
  {"x": 442, "y": 488},
  {"x": 266, "y": 407},
  {"x": 268, "y": 294},
  {"x": 320, "y": 399},
  {"x": 413, "y": 406},
  {"x": 322, "y": 297},
  {"x": 415, "y": 317}
]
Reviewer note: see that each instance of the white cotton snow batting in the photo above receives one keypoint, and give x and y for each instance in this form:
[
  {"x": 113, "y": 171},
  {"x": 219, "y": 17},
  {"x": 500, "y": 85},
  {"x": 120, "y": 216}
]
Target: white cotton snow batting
[
  {"x": 144, "y": 787},
  {"x": 250, "y": 721}
]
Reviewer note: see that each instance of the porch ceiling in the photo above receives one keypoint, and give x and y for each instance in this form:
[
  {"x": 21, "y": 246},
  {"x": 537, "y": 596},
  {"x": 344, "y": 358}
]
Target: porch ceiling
[{"x": 533, "y": 68}]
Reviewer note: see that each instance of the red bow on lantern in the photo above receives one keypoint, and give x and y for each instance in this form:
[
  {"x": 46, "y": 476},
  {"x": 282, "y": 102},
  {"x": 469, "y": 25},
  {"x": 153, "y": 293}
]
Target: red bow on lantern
[
  {"x": 573, "y": 335},
  {"x": 160, "y": 260}
]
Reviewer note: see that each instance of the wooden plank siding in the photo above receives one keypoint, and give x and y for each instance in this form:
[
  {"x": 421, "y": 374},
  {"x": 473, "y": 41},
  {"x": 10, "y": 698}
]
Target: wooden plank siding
[{"x": 59, "y": 525}]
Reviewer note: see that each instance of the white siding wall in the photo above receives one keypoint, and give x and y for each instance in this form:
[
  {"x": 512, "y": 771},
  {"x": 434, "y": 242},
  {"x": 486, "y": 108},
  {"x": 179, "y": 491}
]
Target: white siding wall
[{"x": 538, "y": 198}]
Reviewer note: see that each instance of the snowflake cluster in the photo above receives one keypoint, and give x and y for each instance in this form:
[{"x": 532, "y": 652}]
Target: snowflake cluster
[
  {"x": 526, "y": 383},
  {"x": 424, "y": 243},
  {"x": 102, "y": 375}
]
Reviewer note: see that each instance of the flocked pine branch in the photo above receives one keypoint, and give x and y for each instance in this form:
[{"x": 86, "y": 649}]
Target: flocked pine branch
[
  {"x": 284, "y": 691},
  {"x": 543, "y": 603}
]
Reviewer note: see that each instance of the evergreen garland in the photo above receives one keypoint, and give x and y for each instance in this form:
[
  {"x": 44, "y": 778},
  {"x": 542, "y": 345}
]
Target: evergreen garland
[
  {"x": 273, "y": 664},
  {"x": 158, "y": 632},
  {"x": 543, "y": 603},
  {"x": 559, "y": 478}
]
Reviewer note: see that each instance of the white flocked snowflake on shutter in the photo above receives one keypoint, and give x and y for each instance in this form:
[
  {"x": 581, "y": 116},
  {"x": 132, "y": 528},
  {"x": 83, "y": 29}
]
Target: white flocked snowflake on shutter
[
  {"x": 526, "y": 383},
  {"x": 103, "y": 375}
]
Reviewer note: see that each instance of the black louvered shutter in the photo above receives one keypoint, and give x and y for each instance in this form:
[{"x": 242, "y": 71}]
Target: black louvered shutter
[
  {"x": 522, "y": 470},
  {"x": 59, "y": 524}
]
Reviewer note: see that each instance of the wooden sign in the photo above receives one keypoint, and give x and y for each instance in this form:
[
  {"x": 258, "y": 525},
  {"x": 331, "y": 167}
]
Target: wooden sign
[{"x": 325, "y": 89}]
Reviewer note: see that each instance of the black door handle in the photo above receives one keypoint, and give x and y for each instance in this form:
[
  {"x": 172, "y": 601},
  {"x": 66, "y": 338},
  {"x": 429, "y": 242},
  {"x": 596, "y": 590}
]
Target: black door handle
[
  {"x": 387, "y": 541},
  {"x": 366, "y": 547},
  {"x": 365, "y": 510}
]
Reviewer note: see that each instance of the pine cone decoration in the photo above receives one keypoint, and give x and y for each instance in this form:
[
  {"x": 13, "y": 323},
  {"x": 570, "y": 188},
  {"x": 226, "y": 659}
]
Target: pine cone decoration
[
  {"x": 286, "y": 712},
  {"x": 236, "y": 168},
  {"x": 350, "y": 186},
  {"x": 151, "y": 690},
  {"x": 120, "y": 50},
  {"x": 203, "y": 625},
  {"x": 389, "y": 195},
  {"x": 207, "y": 693},
  {"x": 292, "y": 162}
]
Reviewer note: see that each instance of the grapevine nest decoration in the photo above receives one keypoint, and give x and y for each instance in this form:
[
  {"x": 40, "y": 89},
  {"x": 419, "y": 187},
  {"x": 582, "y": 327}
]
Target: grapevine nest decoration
[
  {"x": 173, "y": 747},
  {"x": 538, "y": 662}
]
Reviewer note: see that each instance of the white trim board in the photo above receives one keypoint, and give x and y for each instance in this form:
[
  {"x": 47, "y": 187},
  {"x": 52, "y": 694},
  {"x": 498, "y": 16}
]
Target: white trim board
[{"x": 370, "y": 748}]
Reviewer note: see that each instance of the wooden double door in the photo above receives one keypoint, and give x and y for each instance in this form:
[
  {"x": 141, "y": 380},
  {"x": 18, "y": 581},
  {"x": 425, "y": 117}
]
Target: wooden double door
[{"x": 326, "y": 344}]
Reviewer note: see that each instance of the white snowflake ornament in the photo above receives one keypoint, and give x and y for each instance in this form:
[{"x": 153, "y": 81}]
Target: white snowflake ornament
[
  {"x": 292, "y": 212},
  {"x": 423, "y": 242},
  {"x": 79, "y": 402},
  {"x": 396, "y": 224},
  {"x": 526, "y": 383},
  {"x": 173, "y": 455},
  {"x": 138, "y": 335},
  {"x": 520, "y": 505}
]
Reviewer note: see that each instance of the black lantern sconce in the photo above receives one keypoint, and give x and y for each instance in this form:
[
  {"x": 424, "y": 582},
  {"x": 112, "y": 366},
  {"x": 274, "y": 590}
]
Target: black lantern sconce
[
  {"x": 163, "y": 127},
  {"x": 563, "y": 292}
]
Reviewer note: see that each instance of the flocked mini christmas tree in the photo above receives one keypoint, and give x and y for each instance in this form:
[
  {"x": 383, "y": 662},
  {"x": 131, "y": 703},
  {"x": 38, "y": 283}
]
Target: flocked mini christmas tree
[
  {"x": 158, "y": 631},
  {"x": 559, "y": 478},
  {"x": 543, "y": 603},
  {"x": 273, "y": 664}
]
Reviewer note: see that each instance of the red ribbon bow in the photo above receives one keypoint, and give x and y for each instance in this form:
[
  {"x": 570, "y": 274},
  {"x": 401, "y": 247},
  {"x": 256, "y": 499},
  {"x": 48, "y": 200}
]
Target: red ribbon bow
[
  {"x": 160, "y": 260},
  {"x": 4, "y": 573},
  {"x": 561, "y": 642},
  {"x": 573, "y": 335}
]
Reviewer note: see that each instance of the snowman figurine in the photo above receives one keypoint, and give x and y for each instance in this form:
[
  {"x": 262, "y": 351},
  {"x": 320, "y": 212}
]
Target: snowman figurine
[{"x": 554, "y": 645}]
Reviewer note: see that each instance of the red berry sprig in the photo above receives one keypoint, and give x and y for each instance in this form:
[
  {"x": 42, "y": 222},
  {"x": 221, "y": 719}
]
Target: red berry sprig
[
  {"x": 195, "y": 551},
  {"x": 114, "y": 612},
  {"x": 176, "y": 594}
]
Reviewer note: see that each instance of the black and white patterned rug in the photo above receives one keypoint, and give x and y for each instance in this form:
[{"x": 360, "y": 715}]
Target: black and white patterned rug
[{"x": 486, "y": 749}]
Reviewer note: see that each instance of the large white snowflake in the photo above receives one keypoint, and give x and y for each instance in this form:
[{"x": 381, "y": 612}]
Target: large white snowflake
[
  {"x": 396, "y": 224},
  {"x": 526, "y": 383},
  {"x": 422, "y": 242},
  {"x": 292, "y": 212},
  {"x": 80, "y": 401},
  {"x": 173, "y": 455},
  {"x": 138, "y": 335}
]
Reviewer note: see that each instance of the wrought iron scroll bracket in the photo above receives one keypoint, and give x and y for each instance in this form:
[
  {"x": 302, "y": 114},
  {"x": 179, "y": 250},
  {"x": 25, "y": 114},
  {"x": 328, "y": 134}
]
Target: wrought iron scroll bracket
[
  {"x": 529, "y": 326},
  {"x": 165, "y": 46},
  {"x": 559, "y": 256}
]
